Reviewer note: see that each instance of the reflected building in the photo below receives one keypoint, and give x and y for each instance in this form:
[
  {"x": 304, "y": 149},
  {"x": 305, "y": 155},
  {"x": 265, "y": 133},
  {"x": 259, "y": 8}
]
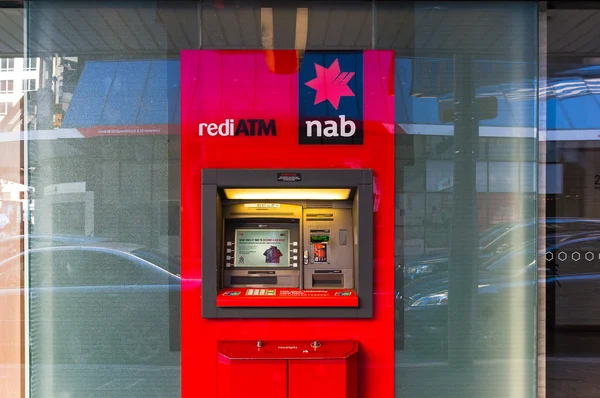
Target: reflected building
[{"x": 89, "y": 136}]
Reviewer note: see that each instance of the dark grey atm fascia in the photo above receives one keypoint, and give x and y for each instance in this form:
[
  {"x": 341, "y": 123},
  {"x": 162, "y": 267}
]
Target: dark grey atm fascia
[
  {"x": 267, "y": 178},
  {"x": 213, "y": 180}
]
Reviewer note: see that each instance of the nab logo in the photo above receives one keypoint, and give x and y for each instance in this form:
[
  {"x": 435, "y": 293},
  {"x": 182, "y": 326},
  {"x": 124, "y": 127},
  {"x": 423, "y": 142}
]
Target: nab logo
[
  {"x": 331, "y": 98},
  {"x": 248, "y": 127},
  {"x": 314, "y": 128}
]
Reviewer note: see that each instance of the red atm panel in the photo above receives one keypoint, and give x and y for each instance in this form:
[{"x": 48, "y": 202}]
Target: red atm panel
[
  {"x": 220, "y": 86},
  {"x": 252, "y": 378},
  {"x": 324, "y": 378}
]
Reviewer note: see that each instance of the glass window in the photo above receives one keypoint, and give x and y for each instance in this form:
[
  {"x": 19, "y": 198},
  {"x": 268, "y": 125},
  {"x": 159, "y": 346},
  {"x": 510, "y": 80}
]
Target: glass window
[
  {"x": 527, "y": 177},
  {"x": 29, "y": 85},
  {"x": 502, "y": 239},
  {"x": 575, "y": 265},
  {"x": 30, "y": 64},
  {"x": 570, "y": 179},
  {"x": 107, "y": 266},
  {"x": 515, "y": 261},
  {"x": 440, "y": 176},
  {"x": 504, "y": 177},
  {"x": 7, "y": 86},
  {"x": 7, "y": 64},
  {"x": 506, "y": 149},
  {"x": 551, "y": 178},
  {"x": 104, "y": 278},
  {"x": 159, "y": 259},
  {"x": 96, "y": 188},
  {"x": 107, "y": 304},
  {"x": 465, "y": 298},
  {"x": 412, "y": 178}
]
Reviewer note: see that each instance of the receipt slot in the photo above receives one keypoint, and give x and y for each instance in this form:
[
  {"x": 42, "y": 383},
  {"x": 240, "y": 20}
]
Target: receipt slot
[
  {"x": 287, "y": 243},
  {"x": 288, "y": 369}
]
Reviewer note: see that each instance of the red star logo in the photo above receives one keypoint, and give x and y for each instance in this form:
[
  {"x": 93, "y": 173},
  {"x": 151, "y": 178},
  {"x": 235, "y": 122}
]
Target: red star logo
[{"x": 331, "y": 84}]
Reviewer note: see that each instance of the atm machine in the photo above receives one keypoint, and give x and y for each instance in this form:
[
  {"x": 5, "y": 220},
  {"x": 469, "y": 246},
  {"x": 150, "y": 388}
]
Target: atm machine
[{"x": 287, "y": 243}]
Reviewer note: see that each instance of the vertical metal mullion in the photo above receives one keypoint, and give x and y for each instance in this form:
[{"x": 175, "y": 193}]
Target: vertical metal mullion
[
  {"x": 464, "y": 236},
  {"x": 26, "y": 377},
  {"x": 541, "y": 199},
  {"x": 199, "y": 22},
  {"x": 373, "y": 25}
]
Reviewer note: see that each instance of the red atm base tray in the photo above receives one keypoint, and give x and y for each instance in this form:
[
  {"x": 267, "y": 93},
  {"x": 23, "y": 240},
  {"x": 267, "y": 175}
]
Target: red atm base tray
[
  {"x": 277, "y": 297},
  {"x": 287, "y": 369}
]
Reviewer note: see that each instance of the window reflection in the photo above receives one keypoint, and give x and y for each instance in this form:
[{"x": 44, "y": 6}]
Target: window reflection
[
  {"x": 100, "y": 199},
  {"x": 467, "y": 222}
]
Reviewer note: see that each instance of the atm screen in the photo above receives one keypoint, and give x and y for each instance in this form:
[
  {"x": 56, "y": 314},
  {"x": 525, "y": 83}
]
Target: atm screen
[{"x": 262, "y": 248}]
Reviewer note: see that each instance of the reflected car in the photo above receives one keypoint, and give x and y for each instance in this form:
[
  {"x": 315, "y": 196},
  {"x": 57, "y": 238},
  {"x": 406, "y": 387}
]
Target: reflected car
[
  {"x": 504, "y": 283},
  {"x": 11, "y": 245},
  {"x": 496, "y": 240},
  {"x": 100, "y": 303}
]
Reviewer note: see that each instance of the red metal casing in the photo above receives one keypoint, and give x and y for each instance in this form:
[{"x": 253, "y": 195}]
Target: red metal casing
[
  {"x": 288, "y": 369},
  {"x": 220, "y": 85}
]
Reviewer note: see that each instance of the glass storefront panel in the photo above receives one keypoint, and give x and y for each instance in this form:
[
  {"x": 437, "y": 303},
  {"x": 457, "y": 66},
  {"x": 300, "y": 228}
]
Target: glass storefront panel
[
  {"x": 14, "y": 70},
  {"x": 103, "y": 259},
  {"x": 569, "y": 199},
  {"x": 466, "y": 238},
  {"x": 99, "y": 201}
]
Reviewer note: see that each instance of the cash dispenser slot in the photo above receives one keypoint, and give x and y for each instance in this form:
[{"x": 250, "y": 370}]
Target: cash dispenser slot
[
  {"x": 253, "y": 280},
  {"x": 327, "y": 279}
]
